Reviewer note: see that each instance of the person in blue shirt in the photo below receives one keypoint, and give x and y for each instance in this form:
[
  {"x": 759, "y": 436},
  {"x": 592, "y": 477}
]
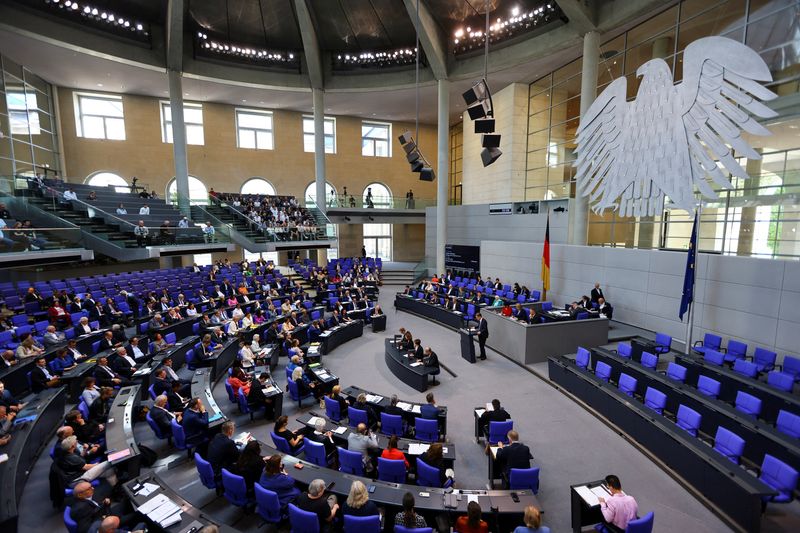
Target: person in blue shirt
[
  {"x": 533, "y": 522},
  {"x": 195, "y": 422},
  {"x": 429, "y": 410},
  {"x": 63, "y": 361},
  {"x": 278, "y": 481}
]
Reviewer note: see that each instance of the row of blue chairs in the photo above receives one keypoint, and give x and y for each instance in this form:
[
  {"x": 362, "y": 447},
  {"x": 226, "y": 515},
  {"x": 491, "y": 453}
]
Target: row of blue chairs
[{"x": 765, "y": 360}]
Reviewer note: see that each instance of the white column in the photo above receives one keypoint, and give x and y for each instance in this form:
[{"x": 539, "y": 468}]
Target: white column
[
  {"x": 179, "y": 139},
  {"x": 591, "y": 56},
  {"x": 319, "y": 148},
  {"x": 443, "y": 172}
]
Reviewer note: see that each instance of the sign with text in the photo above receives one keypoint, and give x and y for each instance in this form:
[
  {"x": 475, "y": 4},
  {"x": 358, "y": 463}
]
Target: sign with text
[
  {"x": 457, "y": 257},
  {"x": 501, "y": 209}
]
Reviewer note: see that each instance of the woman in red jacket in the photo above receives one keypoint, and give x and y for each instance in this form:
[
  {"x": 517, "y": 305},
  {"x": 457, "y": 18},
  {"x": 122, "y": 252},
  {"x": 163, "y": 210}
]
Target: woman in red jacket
[{"x": 391, "y": 451}]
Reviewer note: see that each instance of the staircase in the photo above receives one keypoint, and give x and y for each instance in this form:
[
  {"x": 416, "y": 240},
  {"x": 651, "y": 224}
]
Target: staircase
[
  {"x": 96, "y": 226},
  {"x": 400, "y": 273}
]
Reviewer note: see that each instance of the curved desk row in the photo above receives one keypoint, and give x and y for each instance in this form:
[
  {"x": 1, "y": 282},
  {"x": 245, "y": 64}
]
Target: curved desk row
[
  {"x": 414, "y": 376},
  {"x": 201, "y": 388},
  {"x": 331, "y": 338},
  {"x": 410, "y": 409},
  {"x": 121, "y": 448},
  {"x": 33, "y": 428},
  {"x": 437, "y": 313}
]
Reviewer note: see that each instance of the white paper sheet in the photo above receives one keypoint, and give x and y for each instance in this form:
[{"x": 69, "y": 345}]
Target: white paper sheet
[{"x": 587, "y": 495}]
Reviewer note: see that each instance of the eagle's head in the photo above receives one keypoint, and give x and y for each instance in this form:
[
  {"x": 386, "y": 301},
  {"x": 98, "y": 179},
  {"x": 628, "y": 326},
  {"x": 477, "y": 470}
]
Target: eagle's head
[{"x": 655, "y": 67}]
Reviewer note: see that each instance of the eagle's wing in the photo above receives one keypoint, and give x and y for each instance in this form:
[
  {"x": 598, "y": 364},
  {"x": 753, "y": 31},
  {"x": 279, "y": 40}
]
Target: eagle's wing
[
  {"x": 598, "y": 141},
  {"x": 720, "y": 91}
]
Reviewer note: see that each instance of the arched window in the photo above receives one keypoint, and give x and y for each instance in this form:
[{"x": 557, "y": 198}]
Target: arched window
[
  {"x": 310, "y": 196},
  {"x": 198, "y": 194},
  {"x": 381, "y": 196},
  {"x": 105, "y": 179},
  {"x": 257, "y": 186}
]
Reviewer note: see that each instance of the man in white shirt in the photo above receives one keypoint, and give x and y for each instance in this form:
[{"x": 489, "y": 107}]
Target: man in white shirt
[
  {"x": 133, "y": 348},
  {"x": 3, "y": 239},
  {"x": 121, "y": 210},
  {"x": 142, "y": 233},
  {"x": 70, "y": 195},
  {"x": 53, "y": 337},
  {"x": 183, "y": 223},
  {"x": 209, "y": 233},
  {"x": 144, "y": 210}
]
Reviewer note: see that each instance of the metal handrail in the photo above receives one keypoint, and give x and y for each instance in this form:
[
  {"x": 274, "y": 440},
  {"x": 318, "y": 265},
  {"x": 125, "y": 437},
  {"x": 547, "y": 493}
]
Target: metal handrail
[{"x": 253, "y": 223}]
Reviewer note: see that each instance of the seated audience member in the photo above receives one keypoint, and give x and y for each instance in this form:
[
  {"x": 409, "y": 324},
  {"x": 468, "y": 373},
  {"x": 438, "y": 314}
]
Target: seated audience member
[
  {"x": 222, "y": 451},
  {"x": 532, "y": 521},
  {"x": 124, "y": 363},
  {"x": 496, "y": 414},
  {"x": 434, "y": 457},
  {"x": 620, "y": 508},
  {"x": 513, "y": 455},
  {"x": 392, "y": 408},
  {"x": 27, "y": 348},
  {"x": 304, "y": 384},
  {"x": 408, "y": 517},
  {"x": 362, "y": 441},
  {"x": 429, "y": 358},
  {"x": 42, "y": 378},
  {"x": 177, "y": 402},
  {"x": 278, "y": 481},
  {"x": 361, "y": 404},
  {"x": 90, "y": 391},
  {"x": 133, "y": 349},
  {"x": 429, "y": 410},
  {"x": 75, "y": 467},
  {"x": 83, "y": 327},
  {"x": 52, "y": 337},
  {"x": 358, "y": 502},
  {"x": 7, "y": 399},
  {"x": 417, "y": 350},
  {"x": 92, "y": 514},
  {"x": 195, "y": 422},
  {"x": 323, "y": 437},
  {"x": 292, "y": 437},
  {"x": 336, "y": 396},
  {"x": 106, "y": 376},
  {"x": 605, "y": 308},
  {"x": 162, "y": 416},
  {"x": 239, "y": 380},
  {"x": 250, "y": 464},
  {"x": 7, "y": 359},
  {"x": 391, "y": 452},
  {"x": 6, "y": 423},
  {"x": 520, "y": 313},
  {"x": 471, "y": 523},
  {"x": 159, "y": 344},
  {"x": 100, "y": 407},
  {"x": 314, "y": 501},
  {"x": 62, "y": 362},
  {"x": 257, "y": 399}
]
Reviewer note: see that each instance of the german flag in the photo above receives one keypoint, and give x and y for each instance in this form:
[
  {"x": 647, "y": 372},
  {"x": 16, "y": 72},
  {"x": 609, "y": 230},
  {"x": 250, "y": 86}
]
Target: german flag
[{"x": 546, "y": 257}]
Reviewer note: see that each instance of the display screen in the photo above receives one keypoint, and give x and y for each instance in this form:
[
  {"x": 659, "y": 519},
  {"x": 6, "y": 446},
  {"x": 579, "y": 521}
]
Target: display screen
[{"x": 457, "y": 257}]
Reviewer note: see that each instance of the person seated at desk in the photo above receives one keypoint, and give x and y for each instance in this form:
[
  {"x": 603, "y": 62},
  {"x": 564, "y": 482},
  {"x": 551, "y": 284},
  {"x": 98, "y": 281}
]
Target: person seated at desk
[
  {"x": 305, "y": 384},
  {"x": 323, "y": 437},
  {"x": 429, "y": 410},
  {"x": 27, "y": 348},
  {"x": 53, "y": 337},
  {"x": 278, "y": 481},
  {"x": 433, "y": 299},
  {"x": 336, "y": 396},
  {"x": 574, "y": 309},
  {"x": 507, "y": 310},
  {"x": 358, "y": 502},
  {"x": 391, "y": 452},
  {"x": 471, "y": 522},
  {"x": 257, "y": 399},
  {"x": 392, "y": 408},
  {"x": 376, "y": 311},
  {"x": 520, "y": 313},
  {"x": 295, "y": 362},
  {"x": 7, "y": 359},
  {"x": 62, "y": 362},
  {"x": 108, "y": 342},
  {"x": 496, "y": 414},
  {"x": 161, "y": 385},
  {"x": 314, "y": 501},
  {"x": 42, "y": 378},
  {"x": 133, "y": 350},
  {"x": 207, "y": 349},
  {"x": 344, "y": 319},
  {"x": 430, "y": 359},
  {"x": 89, "y": 390},
  {"x": 361, "y": 404},
  {"x": 585, "y": 302},
  {"x": 85, "y": 430},
  {"x": 296, "y": 350},
  {"x": 605, "y": 308},
  {"x": 406, "y": 290},
  {"x": 93, "y": 514},
  {"x": 173, "y": 315},
  {"x": 246, "y": 355},
  {"x": 222, "y": 451},
  {"x": 6, "y": 424},
  {"x": 534, "y": 317},
  {"x": 295, "y": 439},
  {"x": 124, "y": 363},
  {"x": 533, "y": 522},
  {"x": 157, "y": 322},
  {"x": 163, "y": 416},
  {"x": 452, "y": 304},
  {"x": 239, "y": 380},
  {"x": 177, "y": 402},
  {"x": 101, "y": 406},
  {"x": 513, "y": 455},
  {"x": 408, "y": 518},
  {"x": 250, "y": 464},
  {"x": 107, "y": 377},
  {"x": 619, "y": 509},
  {"x": 417, "y": 351},
  {"x": 434, "y": 457},
  {"x": 478, "y": 297},
  {"x": 362, "y": 440},
  {"x": 7, "y": 399},
  {"x": 195, "y": 422},
  {"x": 218, "y": 337}
]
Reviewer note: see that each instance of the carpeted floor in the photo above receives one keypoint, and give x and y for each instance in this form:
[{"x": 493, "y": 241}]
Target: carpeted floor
[{"x": 568, "y": 443}]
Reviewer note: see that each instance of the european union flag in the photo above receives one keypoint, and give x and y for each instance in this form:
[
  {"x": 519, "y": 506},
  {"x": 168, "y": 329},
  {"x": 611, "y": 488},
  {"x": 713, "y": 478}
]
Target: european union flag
[{"x": 688, "y": 277}]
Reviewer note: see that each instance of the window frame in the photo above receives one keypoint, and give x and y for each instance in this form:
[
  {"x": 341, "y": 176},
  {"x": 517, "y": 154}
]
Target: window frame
[
  {"x": 31, "y": 114},
  {"x": 258, "y": 112},
  {"x": 79, "y": 115},
  {"x": 374, "y": 140},
  {"x": 332, "y": 121},
  {"x": 166, "y": 126}
]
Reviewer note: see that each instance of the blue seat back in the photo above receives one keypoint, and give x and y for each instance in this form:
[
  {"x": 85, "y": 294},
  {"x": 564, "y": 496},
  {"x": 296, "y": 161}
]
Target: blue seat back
[
  {"x": 268, "y": 506},
  {"x": 582, "y": 358},
  {"x": 641, "y": 525},
  {"x": 663, "y": 343},
  {"x": 736, "y": 350},
  {"x": 178, "y": 435},
  {"x": 190, "y": 362},
  {"x": 362, "y": 524},
  {"x": 302, "y": 521},
  {"x": 69, "y": 523},
  {"x": 791, "y": 365},
  {"x": 583, "y": 315},
  {"x": 788, "y": 424},
  {"x": 780, "y": 476},
  {"x": 498, "y": 431},
  {"x": 655, "y": 400},
  {"x": 688, "y": 419},
  {"x": 729, "y": 444},
  {"x": 427, "y": 475},
  {"x": 711, "y": 342},
  {"x": 624, "y": 350},
  {"x": 602, "y": 371},
  {"x": 350, "y": 462},
  {"x": 709, "y": 387},
  {"x": 392, "y": 470},
  {"x": 171, "y": 338},
  {"x": 84, "y": 409},
  {"x": 356, "y": 417},
  {"x": 627, "y": 384},
  {"x": 229, "y": 390},
  {"x": 524, "y": 479},
  {"x": 748, "y": 404},
  {"x": 676, "y": 372},
  {"x": 234, "y": 488},
  {"x": 649, "y": 360},
  {"x": 241, "y": 398},
  {"x": 714, "y": 357},
  {"x": 391, "y": 424},
  {"x": 745, "y": 368},
  {"x": 764, "y": 359},
  {"x": 427, "y": 430},
  {"x": 205, "y": 471},
  {"x": 280, "y": 443},
  {"x": 547, "y": 306},
  {"x": 152, "y": 390},
  {"x": 154, "y": 427},
  {"x": 315, "y": 452},
  {"x": 403, "y": 529}
]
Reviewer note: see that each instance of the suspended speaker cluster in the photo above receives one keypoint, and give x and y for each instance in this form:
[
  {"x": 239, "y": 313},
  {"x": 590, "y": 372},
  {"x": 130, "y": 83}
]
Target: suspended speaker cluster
[
  {"x": 415, "y": 158},
  {"x": 479, "y": 108}
]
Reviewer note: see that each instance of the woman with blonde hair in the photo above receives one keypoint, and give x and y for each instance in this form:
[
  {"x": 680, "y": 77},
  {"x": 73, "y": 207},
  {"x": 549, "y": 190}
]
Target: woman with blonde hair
[
  {"x": 358, "y": 502},
  {"x": 27, "y": 348},
  {"x": 533, "y": 522}
]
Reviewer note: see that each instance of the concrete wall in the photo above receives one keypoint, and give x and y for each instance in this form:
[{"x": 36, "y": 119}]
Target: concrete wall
[
  {"x": 753, "y": 300},
  {"x": 408, "y": 242}
]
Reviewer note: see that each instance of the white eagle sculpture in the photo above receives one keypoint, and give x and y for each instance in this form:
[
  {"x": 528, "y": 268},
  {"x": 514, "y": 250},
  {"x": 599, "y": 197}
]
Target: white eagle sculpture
[{"x": 669, "y": 139}]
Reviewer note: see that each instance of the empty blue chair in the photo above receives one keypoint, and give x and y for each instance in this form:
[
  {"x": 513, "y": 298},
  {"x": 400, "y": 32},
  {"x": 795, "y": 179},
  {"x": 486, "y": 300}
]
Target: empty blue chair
[
  {"x": 736, "y": 350},
  {"x": 748, "y": 404},
  {"x": 655, "y": 399},
  {"x": 268, "y": 506},
  {"x": 709, "y": 387},
  {"x": 69, "y": 523},
  {"x": 403, "y": 529},
  {"x": 350, "y": 462},
  {"x": 356, "y": 416},
  {"x": 627, "y": 384},
  {"x": 602, "y": 371},
  {"x": 498, "y": 432},
  {"x": 781, "y": 380},
  {"x": 709, "y": 342},
  {"x": 427, "y": 475},
  {"x": 390, "y": 424},
  {"x": 624, "y": 350},
  {"x": 234, "y": 489},
  {"x": 152, "y": 390},
  {"x": 788, "y": 424},
  {"x": 745, "y": 368},
  {"x": 294, "y": 392},
  {"x": 315, "y": 452},
  {"x": 171, "y": 338},
  {"x": 547, "y": 306},
  {"x": 649, "y": 360},
  {"x": 302, "y": 521},
  {"x": 156, "y": 430},
  {"x": 582, "y": 358},
  {"x": 362, "y": 524},
  {"x": 764, "y": 359},
  {"x": 524, "y": 479},
  {"x": 714, "y": 357},
  {"x": 392, "y": 470},
  {"x": 791, "y": 366},
  {"x": 427, "y": 430},
  {"x": 84, "y": 409},
  {"x": 95, "y": 347},
  {"x": 333, "y": 410},
  {"x": 676, "y": 372},
  {"x": 583, "y": 315},
  {"x": 641, "y": 525},
  {"x": 206, "y": 472},
  {"x": 663, "y": 343},
  {"x": 229, "y": 390},
  {"x": 729, "y": 444},
  {"x": 190, "y": 360},
  {"x": 688, "y": 419},
  {"x": 779, "y": 476}
]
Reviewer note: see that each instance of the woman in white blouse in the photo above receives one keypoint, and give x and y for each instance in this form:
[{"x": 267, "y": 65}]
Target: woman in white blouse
[
  {"x": 248, "y": 359},
  {"x": 233, "y": 328},
  {"x": 247, "y": 320}
]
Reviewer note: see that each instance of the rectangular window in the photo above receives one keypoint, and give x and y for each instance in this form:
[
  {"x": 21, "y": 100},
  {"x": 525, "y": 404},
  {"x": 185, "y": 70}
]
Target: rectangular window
[
  {"x": 254, "y": 129},
  {"x": 99, "y": 116},
  {"x": 23, "y": 112},
  {"x": 378, "y": 240},
  {"x": 375, "y": 139},
  {"x": 192, "y": 117},
  {"x": 330, "y": 134}
]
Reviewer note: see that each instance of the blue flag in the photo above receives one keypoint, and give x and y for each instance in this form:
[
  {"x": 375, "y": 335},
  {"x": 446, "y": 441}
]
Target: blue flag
[{"x": 688, "y": 277}]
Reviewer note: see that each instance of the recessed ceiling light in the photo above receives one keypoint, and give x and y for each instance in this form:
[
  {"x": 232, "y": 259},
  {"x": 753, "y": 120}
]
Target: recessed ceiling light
[
  {"x": 99, "y": 84},
  {"x": 244, "y": 100}
]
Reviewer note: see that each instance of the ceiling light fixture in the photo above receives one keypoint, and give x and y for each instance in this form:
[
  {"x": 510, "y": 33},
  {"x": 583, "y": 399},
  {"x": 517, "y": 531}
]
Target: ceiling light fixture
[{"x": 518, "y": 21}]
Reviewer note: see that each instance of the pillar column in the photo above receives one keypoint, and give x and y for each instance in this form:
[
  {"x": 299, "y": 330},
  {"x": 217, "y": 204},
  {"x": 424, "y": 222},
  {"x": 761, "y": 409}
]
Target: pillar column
[
  {"x": 179, "y": 140},
  {"x": 591, "y": 58},
  {"x": 319, "y": 148},
  {"x": 443, "y": 171},
  {"x": 747, "y": 225}
]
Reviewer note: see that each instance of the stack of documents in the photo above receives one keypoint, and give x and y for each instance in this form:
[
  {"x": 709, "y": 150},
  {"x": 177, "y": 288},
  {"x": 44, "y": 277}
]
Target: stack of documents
[
  {"x": 404, "y": 406},
  {"x": 417, "y": 448},
  {"x": 161, "y": 510},
  {"x": 340, "y": 430},
  {"x": 374, "y": 398},
  {"x": 313, "y": 420}
]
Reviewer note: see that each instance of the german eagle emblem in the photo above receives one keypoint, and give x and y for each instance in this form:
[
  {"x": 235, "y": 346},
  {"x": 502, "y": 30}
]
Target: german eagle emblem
[{"x": 673, "y": 138}]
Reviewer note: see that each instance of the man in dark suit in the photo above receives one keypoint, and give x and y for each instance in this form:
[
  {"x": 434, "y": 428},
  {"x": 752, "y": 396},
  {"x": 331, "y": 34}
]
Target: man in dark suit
[
  {"x": 177, "y": 403},
  {"x": 597, "y": 293},
  {"x": 162, "y": 416},
  {"x": 483, "y": 333},
  {"x": 513, "y": 455},
  {"x": 222, "y": 451},
  {"x": 161, "y": 385},
  {"x": 520, "y": 313},
  {"x": 88, "y": 303},
  {"x": 133, "y": 303},
  {"x": 98, "y": 411},
  {"x": 257, "y": 399},
  {"x": 497, "y": 414},
  {"x": 226, "y": 288},
  {"x": 85, "y": 511},
  {"x": 605, "y": 308},
  {"x": 392, "y": 408},
  {"x": 106, "y": 376},
  {"x": 124, "y": 364},
  {"x": 107, "y": 342},
  {"x": 42, "y": 378},
  {"x": 430, "y": 359},
  {"x": 195, "y": 422},
  {"x": 429, "y": 410}
]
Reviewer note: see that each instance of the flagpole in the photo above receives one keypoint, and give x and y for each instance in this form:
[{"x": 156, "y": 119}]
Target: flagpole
[{"x": 690, "y": 322}]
